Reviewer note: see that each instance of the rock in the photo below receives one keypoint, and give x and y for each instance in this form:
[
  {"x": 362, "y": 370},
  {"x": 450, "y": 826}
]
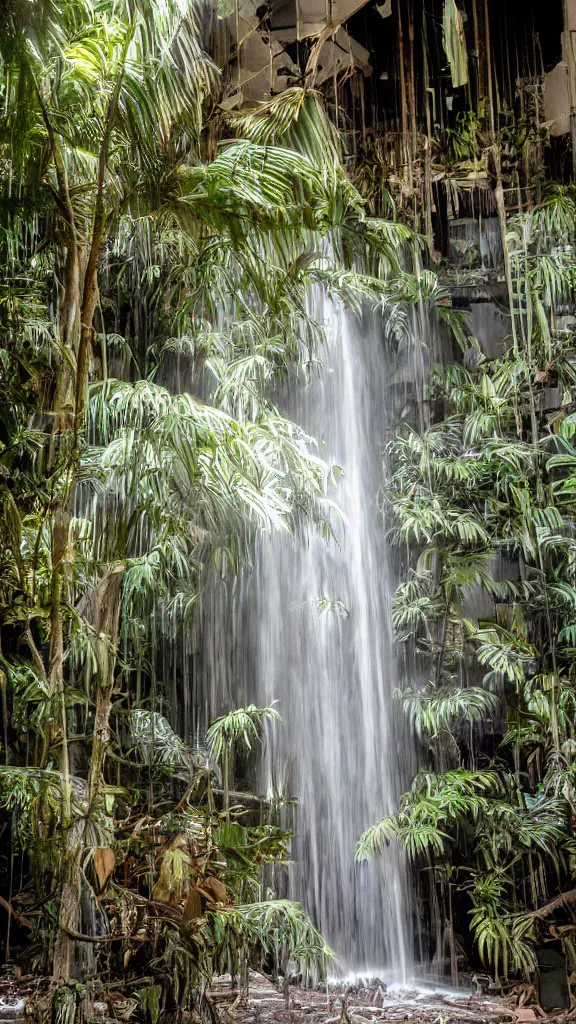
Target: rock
[{"x": 12, "y": 1007}]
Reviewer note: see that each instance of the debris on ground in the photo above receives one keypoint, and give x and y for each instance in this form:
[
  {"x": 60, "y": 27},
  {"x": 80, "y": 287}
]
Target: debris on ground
[{"x": 357, "y": 1003}]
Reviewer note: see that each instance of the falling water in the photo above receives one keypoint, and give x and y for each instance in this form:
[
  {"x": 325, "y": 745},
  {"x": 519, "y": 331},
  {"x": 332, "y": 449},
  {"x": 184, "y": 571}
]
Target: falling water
[{"x": 321, "y": 627}]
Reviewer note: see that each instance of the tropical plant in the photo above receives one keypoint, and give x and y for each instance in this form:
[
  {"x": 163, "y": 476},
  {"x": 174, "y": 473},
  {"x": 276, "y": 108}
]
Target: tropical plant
[
  {"x": 157, "y": 287},
  {"x": 481, "y": 502},
  {"x": 242, "y": 726}
]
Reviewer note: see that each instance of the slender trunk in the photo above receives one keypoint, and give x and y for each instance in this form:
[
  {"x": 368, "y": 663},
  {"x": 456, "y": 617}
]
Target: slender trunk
[
  {"x": 90, "y": 292},
  {"x": 452, "y": 941},
  {"x": 226, "y": 784},
  {"x": 106, "y": 625},
  {"x": 480, "y": 87},
  {"x": 489, "y": 66},
  {"x": 107, "y": 622},
  {"x": 412, "y": 86},
  {"x": 501, "y": 209},
  {"x": 436, "y": 917},
  {"x": 77, "y": 309},
  {"x": 68, "y": 915},
  {"x": 403, "y": 96},
  {"x": 428, "y": 203},
  {"x": 70, "y": 876},
  {"x": 56, "y": 667},
  {"x": 442, "y": 642}
]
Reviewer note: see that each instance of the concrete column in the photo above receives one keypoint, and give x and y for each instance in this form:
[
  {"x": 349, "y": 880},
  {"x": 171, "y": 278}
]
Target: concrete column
[{"x": 560, "y": 84}]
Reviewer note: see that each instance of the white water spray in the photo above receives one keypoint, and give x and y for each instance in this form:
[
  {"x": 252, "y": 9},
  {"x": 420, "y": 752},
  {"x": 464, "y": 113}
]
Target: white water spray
[{"x": 321, "y": 624}]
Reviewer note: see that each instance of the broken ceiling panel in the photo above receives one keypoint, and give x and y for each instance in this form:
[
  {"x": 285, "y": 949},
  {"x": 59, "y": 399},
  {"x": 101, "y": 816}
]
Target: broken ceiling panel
[
  {"x": 309, "y": 17},
  {"x": 557, "y": 99},
  {"x": 339, "y": 53},
  {"x": 265, "y": 66}
]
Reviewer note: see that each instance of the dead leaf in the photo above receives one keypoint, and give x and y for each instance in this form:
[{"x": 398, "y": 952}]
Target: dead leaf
[
  {"x": 214, "y": 890},
  {"x": 161, "y": 893},
  {"x": 104, "y": 864},
  {"x": 193, "y": 906},
  {"x": 17, "y": 917}
]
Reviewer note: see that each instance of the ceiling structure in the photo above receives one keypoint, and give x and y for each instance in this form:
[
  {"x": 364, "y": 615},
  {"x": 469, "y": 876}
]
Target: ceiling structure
[{"x": 270, "y": 36}]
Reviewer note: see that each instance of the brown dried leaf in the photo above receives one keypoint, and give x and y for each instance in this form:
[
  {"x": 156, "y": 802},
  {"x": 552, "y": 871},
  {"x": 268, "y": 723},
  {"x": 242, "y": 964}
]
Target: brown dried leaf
[
  {"x": 161, "y": 893},
  {"x": 214, "y": 890},
  {"x": 178, "y": 842},
  {"x": 104, "y": 864},
  {"x": 193, "y": 906}
]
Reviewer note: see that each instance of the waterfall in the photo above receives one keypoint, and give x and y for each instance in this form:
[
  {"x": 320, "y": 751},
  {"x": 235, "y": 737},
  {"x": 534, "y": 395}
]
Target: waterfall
[
  {"x": 309, "y": 626},
  {"x": 320, "y": 622}
]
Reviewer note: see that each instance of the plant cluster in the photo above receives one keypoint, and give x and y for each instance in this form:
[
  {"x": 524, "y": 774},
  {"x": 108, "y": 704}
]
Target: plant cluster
[
  {"x": 481, "y": 506},
  {"x": 158, "y": 260}
]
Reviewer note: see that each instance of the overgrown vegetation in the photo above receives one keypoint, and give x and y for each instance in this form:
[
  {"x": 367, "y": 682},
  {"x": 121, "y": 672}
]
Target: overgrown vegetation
[
  {"x": 159, "y": 250},
  {"x": 134, "y": 244},
  {"x": 482, "y": 501}
]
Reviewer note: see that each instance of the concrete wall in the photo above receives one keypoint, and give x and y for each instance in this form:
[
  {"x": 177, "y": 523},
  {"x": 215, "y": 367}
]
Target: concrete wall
[{"x": 560, "y": 83}]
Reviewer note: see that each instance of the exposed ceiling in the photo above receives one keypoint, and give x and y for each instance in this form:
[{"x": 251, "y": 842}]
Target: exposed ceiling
[
  {"x": 267, "y": 36},
  {"x": 269, "y": 33}
]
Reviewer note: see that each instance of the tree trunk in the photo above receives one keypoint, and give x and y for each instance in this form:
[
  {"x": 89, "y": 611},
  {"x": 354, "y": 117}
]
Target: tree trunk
[
  {"x": 107, "y": 621},
  {"x": 76, "y": 314}
]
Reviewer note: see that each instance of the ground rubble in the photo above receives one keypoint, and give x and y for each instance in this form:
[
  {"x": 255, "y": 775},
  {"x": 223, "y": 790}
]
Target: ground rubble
[
  {"x": 265, "y": 1002},
  {"x": 360, "y": 1003}
]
